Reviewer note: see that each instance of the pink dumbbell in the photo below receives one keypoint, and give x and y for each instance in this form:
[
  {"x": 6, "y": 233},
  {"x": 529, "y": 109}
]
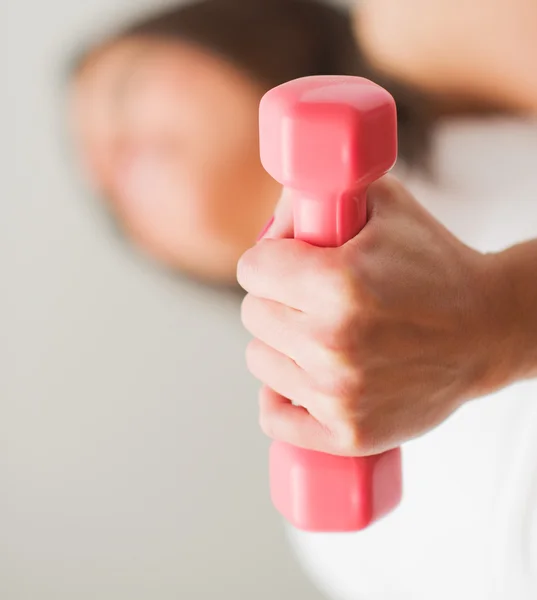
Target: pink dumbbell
[{"x": 326, "y": 139}]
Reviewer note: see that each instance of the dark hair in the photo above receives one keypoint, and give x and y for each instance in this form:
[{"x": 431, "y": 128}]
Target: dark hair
[{"x": 275, "y": 41}]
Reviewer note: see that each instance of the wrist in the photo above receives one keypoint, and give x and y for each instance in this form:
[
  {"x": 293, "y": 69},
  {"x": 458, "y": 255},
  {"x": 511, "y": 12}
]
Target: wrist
[
  {"x": 517, "y": 270},
  {"x": 505, "y": 344}
]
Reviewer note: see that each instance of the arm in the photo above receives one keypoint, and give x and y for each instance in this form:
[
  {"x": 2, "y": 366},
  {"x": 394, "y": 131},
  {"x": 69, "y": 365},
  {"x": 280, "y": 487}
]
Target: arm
[{"x": 517, "y": 268}]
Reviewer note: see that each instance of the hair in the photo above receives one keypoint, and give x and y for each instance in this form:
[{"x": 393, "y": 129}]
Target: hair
[{"x": 274, "y": 41}]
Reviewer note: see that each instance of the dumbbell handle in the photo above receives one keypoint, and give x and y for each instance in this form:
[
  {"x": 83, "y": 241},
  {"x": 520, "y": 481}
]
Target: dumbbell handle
[{"x": 329, "y": 222}]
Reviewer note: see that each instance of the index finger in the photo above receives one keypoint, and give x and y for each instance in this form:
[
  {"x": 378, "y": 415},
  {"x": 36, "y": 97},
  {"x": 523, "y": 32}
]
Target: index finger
[{"x": 285, "y": 271}]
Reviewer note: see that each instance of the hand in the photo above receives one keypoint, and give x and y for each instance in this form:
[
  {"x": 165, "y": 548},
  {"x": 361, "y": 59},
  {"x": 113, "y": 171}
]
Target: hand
[{"x": 365, "y": 346}]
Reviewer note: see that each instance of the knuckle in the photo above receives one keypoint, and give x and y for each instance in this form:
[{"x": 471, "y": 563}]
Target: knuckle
[
  {"x": 246, "y": 310},
  {"x": 252, "y": 313},
  {"x": 267, "y": 423},
  {"x": 342, "y": 286},
  {"x": 246, "y": 268},
  {"x": 352, "y": 439},
  {"x": 345, "y": 294},
  {"x": 351, "y": 319},
  {"x": 328, "y": 270},
  {"x": 252, "y": 357},
  {"x": 258, "y": 263},
  {"x": 364, "y": 269},
  {"x": 341, "y": 335},
  {"x": 344, "y": 383}
]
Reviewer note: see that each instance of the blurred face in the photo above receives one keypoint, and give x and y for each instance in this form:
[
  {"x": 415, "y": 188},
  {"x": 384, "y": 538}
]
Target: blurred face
[
  {"x": 169, "y": 135},
  {"x": 481, "y": 51}
]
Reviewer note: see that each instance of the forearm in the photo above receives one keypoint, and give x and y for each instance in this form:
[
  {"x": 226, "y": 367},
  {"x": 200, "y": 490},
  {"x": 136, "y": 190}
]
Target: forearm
[{"x": 518, "y": 274}]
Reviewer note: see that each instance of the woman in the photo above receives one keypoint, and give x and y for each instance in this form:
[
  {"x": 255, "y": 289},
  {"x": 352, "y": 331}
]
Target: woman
[
  {"x": 165, "y": 116},
  {"x": 424, "y": 327}
]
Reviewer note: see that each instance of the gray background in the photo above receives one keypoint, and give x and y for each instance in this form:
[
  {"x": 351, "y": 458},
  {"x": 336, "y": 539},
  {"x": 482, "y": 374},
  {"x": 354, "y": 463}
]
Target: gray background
[{"x": 131, "y": 465}]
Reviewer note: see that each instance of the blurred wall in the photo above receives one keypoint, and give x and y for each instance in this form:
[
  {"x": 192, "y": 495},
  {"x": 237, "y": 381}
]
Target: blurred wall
[{"x": 131, "y": 465}]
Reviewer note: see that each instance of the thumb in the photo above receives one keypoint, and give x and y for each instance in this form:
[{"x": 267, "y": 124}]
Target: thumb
[
  {"x": 282, "y": 224},
  {"x": 386, "y": 197}
]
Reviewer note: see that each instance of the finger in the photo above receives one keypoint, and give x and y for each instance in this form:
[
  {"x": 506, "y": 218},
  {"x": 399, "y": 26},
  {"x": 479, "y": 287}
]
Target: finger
[
  {"x": 387, "y": 207},
  {"x": 282, "y": 421},
  {"x": 282, "y": 227},
  {"x": 384, "y": 194},
  {"x": 278, "y": 326},
  {"x": 285, "y": 271},
  {"x": 279, "y": 372}
]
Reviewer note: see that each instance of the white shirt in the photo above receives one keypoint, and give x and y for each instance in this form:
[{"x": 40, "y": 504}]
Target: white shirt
[{"x": 467, "y": 527}]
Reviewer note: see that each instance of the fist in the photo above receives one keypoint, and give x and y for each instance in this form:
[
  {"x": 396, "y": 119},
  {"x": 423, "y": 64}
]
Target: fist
[{"x": 362, "y": 347}]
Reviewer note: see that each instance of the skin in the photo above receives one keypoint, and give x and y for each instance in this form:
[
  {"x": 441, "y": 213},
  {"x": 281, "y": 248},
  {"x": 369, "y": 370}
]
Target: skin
[
  {"x": 168, "y": 135},
  {"x": 374, "y": 350},
  {"x": 363, "y": 347},
  {"x": 465, "y": 54}
]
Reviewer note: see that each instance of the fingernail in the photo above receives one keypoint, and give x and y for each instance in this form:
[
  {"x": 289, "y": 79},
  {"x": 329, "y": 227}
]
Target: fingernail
[{"x": 265, "y": 230}]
